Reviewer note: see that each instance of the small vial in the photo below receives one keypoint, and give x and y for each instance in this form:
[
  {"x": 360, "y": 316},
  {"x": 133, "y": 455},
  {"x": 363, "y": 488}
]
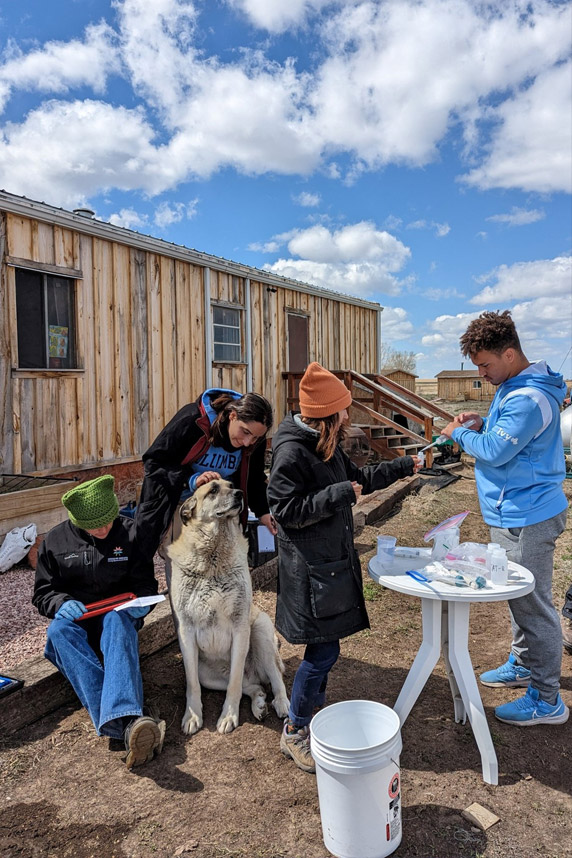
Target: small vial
[
  {"x": 491, "y": 548},
  {"x": 499, "y": 567}
]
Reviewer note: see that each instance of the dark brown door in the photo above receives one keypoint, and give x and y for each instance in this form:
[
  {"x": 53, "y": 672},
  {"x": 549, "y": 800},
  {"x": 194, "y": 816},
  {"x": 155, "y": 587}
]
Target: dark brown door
[{"x": 298, "y": 349}]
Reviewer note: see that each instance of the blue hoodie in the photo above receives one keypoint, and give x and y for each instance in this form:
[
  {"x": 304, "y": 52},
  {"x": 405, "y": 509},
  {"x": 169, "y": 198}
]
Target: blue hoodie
[{"x": 519, "y": 453}]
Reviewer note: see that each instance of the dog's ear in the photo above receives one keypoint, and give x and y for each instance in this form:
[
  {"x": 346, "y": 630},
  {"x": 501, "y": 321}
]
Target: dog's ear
[{"x": 186, "y": 510}]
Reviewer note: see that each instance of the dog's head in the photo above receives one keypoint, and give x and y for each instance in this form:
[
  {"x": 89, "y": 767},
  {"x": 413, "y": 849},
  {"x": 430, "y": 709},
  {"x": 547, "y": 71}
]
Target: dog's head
[{"x": 215, "y": 500}]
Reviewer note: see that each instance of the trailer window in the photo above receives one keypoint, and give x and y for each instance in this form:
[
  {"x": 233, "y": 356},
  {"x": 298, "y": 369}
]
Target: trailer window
[
  {"x": 227, "y": 341},
  {"x": 45, "y": 320}
]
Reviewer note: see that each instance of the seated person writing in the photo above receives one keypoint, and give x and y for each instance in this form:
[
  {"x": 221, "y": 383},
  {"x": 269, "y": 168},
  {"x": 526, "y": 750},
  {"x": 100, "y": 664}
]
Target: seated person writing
[{"x": 87, "y": 558}]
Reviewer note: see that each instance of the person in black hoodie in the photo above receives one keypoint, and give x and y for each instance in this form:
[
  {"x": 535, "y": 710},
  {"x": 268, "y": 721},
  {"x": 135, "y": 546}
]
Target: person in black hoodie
[
  {"x": 312, "y": 488},
  {"x": 221, "y": 435},
  {"x": 85, "y": 559}
]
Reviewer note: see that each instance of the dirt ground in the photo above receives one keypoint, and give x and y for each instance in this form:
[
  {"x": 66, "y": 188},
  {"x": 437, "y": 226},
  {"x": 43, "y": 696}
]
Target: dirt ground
[{"x": 67, "y": 794}]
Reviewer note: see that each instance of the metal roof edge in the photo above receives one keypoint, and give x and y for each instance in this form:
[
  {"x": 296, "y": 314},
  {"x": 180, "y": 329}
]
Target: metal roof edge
[{"x": 52, "y": 214}]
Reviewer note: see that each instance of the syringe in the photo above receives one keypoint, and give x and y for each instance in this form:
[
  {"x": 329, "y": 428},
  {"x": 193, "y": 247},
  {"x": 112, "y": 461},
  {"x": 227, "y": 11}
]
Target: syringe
[{"x": 442, "y": 438}]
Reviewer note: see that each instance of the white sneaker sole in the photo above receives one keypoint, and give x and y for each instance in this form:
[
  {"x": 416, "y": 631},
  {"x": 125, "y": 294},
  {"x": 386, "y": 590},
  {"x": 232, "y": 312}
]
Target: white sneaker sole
[{"x": 515, "y": 683}]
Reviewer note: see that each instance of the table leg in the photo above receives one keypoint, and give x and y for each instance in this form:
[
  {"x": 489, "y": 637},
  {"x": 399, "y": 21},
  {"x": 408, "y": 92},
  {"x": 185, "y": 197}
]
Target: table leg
[
  {"x": 425, "y": 660},
  {"x": 464, "y": 674},
  {"x": 460, "y": 711}
]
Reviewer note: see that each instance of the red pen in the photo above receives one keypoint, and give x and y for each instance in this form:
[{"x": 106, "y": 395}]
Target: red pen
[{"x": 94, "y": 609}]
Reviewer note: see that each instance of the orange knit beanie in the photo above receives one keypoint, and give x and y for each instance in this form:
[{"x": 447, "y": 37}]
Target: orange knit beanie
[{"x": 321, "y": 393}]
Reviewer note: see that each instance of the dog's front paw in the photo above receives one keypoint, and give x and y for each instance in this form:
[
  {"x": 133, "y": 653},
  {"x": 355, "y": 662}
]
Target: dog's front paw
[
  {"x": 227, "y": 721},
  {"x": 191, "y": 722},
  {"x": 281, "y": 706}
]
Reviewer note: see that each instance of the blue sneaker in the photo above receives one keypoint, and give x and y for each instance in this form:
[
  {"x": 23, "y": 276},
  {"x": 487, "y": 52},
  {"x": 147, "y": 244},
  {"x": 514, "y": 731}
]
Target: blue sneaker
[
  {"x": 531, "y": 709},
  {"x": 508, "y": 675}
]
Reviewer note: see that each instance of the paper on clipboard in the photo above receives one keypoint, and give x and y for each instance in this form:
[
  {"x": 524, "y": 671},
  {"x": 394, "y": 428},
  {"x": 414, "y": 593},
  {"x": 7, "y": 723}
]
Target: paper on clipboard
[
  {"x": 140, "y": 602},
  {"x": 265, "y": 539}
]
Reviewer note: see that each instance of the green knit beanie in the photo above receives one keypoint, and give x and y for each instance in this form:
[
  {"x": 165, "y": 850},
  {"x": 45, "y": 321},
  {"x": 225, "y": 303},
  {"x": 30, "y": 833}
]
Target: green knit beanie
[{"x": 92, "y": 504}]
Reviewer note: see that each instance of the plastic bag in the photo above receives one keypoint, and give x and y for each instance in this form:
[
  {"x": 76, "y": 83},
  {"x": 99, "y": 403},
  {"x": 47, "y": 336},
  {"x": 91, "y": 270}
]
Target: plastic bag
[
  {"x": 16, "y": 545},
  {"x": 437, "y": 571},
  {"x": 469, "y": 552}
]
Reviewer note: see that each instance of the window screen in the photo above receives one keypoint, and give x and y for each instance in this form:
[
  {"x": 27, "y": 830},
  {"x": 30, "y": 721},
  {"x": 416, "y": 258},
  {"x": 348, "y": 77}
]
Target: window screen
[
  {"x": 226, "y": 334},
  {"x": 45, "y": 321}
]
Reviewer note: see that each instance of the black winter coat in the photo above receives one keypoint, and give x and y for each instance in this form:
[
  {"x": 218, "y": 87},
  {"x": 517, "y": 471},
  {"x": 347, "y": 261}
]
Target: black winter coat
[
  {"x": 320, "y": 592},
  {"x": 74, "y": 565},
  {"x": 168, "y": 466}
]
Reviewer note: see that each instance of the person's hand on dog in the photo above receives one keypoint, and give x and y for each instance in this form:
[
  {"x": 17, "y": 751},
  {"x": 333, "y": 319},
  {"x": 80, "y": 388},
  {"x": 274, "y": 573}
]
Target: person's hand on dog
[
  {"x": 70, "y": 610},
  {"x": 205, "y": 478},
  {"x": 270, "y": 523},
  {"x": 137, "y": 613}
]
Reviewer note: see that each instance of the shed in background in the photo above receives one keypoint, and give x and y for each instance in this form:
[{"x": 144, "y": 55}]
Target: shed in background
[{"x": 459, "y": 384}]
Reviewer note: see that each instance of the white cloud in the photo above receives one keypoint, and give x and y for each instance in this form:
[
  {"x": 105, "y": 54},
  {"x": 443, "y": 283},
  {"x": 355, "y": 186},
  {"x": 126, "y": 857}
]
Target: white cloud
[
  {"x": 518, "y": 216},
  {"x": 395, "y": 325},
  {"x": 441, "y": 229},
  {"x": 357, "y": 259},
  {"x": 59, "y": 66},
  {"x": 392, "y": 222},
  {"x": 531, "y": 147},
  {"x": 278, "y": 15},
  {"x": 443, "y": 59},
  {"x": 442, "y": 342},
  {"x": 440, "y": 58},
  {"x": 129, "y": 219},
  {"x": 359, "y": 241},
  {"x": 168, "y": 213},
  {"x": 440, "y": 294},
  {"x": 543, "y": 328},
  {"x": 265, "y": 247},
  {"x": 538, "y": 320},
  {"x": 545, "y": 277},
  {"x": 67, "y": 151},
  {"x": 307, "y": 199}
]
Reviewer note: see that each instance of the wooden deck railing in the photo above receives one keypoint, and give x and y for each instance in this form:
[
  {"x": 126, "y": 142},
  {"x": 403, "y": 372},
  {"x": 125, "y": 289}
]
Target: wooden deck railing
[{"x": 385, "y": 394}]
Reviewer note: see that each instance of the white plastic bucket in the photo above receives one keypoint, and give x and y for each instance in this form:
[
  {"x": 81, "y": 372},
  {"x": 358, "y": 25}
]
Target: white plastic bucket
[{"x": 356, "y": 746}]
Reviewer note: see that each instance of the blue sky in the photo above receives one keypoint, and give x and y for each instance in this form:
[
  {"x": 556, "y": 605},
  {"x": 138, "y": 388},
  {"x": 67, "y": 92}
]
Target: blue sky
[{"x": 417, "y": 153}]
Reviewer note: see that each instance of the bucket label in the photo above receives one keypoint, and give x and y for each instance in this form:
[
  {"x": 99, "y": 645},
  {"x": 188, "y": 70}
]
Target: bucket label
[
  {"x": 394, "y": 785},
  {"x": 393, "y": 827}
]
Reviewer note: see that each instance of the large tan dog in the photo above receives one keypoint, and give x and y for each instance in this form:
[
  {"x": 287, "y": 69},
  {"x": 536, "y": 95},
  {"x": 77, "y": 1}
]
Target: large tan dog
[{"x": 227, "y": 643}]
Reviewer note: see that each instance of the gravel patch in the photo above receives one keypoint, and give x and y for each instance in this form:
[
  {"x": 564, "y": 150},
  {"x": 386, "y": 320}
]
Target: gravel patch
[{"x": 22, "y": 628}]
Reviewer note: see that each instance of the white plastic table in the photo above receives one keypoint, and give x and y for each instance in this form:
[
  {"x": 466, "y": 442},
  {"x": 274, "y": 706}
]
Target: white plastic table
[{"x": 445, "y": 612}]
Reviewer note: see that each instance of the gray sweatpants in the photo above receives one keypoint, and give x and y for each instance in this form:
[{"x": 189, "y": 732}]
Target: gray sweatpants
[{"x": 536, "y": 632}]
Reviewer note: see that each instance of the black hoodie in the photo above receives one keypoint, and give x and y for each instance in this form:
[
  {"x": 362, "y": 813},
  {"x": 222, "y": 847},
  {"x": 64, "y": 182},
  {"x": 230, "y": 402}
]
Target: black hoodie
[{"x": 72, "y": 564}]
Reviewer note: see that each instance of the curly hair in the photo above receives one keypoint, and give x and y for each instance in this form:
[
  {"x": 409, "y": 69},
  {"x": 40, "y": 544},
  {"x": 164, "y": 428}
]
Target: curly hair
[{"x": 491, "y": 332}]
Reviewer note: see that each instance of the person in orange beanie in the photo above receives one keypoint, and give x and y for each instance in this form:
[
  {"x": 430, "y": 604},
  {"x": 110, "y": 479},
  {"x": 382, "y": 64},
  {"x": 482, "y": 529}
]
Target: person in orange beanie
[{"x": 312, "y": 488}]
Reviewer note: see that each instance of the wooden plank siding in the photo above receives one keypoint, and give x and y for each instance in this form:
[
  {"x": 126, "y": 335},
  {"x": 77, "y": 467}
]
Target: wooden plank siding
[{"x": 140, "y": 343}]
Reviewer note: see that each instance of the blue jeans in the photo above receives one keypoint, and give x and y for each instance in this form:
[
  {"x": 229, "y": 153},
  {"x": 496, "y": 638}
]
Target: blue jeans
[
  {"x": 309, "y": 687},
  {"x": 109, "y": 691}
]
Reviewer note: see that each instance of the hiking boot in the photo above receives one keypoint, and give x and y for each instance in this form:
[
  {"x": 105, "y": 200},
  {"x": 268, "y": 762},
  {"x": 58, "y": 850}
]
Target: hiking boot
[
  {"x": 511, "y": 674},
  {"x": 297, "y": 746},
  {"x": 566, "y": 633},
  {"x": 143, "y": 736},
  {"x": 531, "y": 709}
]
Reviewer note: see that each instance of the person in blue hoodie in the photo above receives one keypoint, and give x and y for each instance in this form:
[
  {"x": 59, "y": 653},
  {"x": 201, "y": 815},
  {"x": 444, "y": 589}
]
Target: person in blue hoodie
[
  {"x": 220, "y": 435},
  {"x": 519, "y": 469}
]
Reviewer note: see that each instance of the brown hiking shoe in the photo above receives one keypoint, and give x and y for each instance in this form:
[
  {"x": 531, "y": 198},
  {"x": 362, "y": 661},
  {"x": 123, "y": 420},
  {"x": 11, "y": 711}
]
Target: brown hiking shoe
[
  {"x": 566, "y": 633},
  {"x": 297, "y": 747},
  {"x": 143, "y": 737}
]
